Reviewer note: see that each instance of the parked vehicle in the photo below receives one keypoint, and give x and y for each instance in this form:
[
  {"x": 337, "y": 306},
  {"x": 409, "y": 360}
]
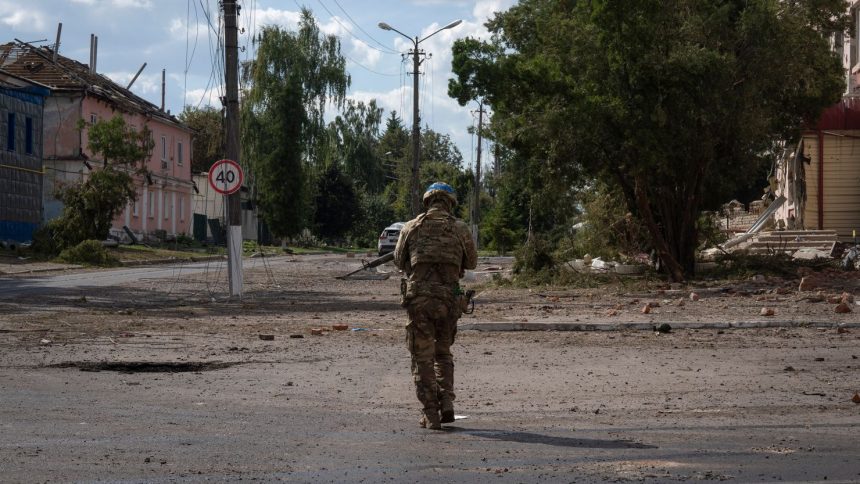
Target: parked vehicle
[{"x": 388, "y": 238}]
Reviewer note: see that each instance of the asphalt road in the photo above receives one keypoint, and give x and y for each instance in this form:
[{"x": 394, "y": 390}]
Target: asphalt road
[{"x": 753, "y": 405}]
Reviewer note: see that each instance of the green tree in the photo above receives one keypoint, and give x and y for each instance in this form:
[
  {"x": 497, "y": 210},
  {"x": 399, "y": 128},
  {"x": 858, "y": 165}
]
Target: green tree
[
  {"x": 90, "y": 207},
  {"x": 664, "y": 100},
  {"x": 353, "y": 138},
  {"x": 336, "y": 204},
  {"x": 436, "y": 147},
  {"x": 293, "y": 77},
  {"x": 208, "y": 137}
]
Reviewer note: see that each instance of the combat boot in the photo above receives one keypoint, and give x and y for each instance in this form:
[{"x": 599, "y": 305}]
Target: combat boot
[
  {"x": 430, "y": 420},
  {"x": 446, "y": 406}
]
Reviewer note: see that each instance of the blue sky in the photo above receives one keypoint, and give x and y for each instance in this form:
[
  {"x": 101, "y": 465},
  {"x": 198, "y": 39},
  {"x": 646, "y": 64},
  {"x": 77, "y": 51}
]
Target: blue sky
[{"x": 175, "y": 35}]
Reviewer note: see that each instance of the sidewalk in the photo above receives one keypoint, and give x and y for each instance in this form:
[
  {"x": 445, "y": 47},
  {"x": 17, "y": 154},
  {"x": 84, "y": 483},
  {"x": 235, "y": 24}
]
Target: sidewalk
[{"x": 8, "y": 267}]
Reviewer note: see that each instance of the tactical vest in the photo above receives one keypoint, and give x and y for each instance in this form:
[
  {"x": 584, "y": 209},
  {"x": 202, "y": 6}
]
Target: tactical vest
[{"x": 435, "y": 241}]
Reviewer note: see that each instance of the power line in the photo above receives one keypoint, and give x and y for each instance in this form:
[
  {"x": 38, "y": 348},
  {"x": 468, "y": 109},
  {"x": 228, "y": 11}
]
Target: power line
[
  {"x": 334, "y": 17},
  {"x": 368, "y": 69},
  {"x": 365, "y": 32}
]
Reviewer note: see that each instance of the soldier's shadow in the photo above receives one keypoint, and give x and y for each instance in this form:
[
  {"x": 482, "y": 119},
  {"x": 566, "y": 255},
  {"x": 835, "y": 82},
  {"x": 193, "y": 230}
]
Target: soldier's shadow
[{"x": 532, "y": 438}]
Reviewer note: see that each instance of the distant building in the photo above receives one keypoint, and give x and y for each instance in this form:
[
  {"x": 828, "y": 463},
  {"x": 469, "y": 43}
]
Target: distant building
[
  {"x": 209, "y": 214},
  {"x": 163, "y": 204},
  {"x": 21, "y": 105},
  {"x": 820, "y": 175}
]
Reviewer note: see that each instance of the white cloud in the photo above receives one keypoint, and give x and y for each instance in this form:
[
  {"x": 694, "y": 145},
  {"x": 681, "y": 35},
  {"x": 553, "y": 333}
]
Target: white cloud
[
  {"x": 118, "y": 3},
  {"x": 287, "y": 19},
  {"x": 204, "y": 97},
  {"x": 20, "y": 18},
  {"x": 364, "y": 53},
  {"x": 132, "y": 3},
  {"x": 484, "y": 9},
  {"x": 176, "y": 28},
  {"x": 392, "y": 100}
]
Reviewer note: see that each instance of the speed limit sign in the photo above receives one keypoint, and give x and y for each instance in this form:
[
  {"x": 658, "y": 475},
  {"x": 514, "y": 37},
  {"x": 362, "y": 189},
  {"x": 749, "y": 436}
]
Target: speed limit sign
[{"x": 225, "y": 176}]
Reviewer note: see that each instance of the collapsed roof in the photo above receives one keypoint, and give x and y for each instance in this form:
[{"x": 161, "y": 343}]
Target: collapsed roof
[{"x": 65, "y": 75}]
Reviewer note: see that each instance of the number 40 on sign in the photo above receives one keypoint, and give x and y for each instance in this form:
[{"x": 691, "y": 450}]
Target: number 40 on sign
[{"x": 225, "y": 176}]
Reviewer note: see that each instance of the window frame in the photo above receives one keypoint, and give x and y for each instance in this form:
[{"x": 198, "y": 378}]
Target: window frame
[
  {"x": 10, "y": 131},
  {"x": 28, "y": 136}
]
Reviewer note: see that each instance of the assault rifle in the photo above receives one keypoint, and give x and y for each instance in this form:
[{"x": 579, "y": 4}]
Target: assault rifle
[{"x": 365, "y": 265}]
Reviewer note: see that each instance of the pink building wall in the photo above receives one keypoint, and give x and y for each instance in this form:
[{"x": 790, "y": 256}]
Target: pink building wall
[{"x": 165, "y": 203}]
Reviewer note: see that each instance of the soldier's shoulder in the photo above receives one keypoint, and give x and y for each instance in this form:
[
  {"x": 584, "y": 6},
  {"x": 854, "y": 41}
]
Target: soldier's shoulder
[{"x": 409, "y": 225}]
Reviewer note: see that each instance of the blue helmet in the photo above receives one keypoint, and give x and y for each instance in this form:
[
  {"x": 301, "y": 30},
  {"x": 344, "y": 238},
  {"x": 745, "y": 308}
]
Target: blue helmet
[{"x": 440, "y": 189}]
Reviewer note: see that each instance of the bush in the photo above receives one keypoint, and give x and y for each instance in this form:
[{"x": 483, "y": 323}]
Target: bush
[
  {"x": 45, "y": 239},
  {"x": 534, "y": 256},
  {"x": 89, "y": 252},
  {"x": 608, "y": 230}
]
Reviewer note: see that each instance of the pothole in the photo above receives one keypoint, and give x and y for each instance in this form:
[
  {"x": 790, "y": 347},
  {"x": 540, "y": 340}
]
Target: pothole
[{"x": 146, "y": 366}]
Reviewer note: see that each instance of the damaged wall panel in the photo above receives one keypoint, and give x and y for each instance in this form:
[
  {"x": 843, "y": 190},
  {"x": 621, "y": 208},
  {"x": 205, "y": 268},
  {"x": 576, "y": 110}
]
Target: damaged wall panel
[{"x": 20, "y": 161}]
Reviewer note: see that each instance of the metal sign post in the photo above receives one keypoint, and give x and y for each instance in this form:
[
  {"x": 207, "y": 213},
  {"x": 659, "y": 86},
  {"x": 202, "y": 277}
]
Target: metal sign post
[{"x": 226, "y": 177}]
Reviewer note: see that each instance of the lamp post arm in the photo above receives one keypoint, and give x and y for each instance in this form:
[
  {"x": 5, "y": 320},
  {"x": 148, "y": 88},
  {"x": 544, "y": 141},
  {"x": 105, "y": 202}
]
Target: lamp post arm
[
  {"x": 401, "y": 33},
  {"x": 449, "y": 26}
]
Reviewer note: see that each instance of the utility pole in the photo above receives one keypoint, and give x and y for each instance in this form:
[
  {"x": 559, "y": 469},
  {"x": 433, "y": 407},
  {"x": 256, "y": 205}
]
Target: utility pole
[
  {"x": 234, "y": 206},
  {"x": 416, "y": 119},
  {"x": 416, "y": 129},
  {"x": 476, "y": 207}
]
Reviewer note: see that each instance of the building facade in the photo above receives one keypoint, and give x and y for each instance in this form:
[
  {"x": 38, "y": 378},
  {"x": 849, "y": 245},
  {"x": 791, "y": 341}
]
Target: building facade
[
  {"x": 21, "y": 174},
  {"x": 81, "y": 97}
]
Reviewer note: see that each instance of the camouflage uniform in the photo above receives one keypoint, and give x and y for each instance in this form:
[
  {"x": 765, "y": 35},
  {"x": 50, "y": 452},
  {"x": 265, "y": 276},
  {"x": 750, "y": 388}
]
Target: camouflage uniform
[{"x": 433, "y": 250}]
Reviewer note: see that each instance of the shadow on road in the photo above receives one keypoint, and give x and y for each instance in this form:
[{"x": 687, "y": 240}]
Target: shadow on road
[{"x": 531, "y": 438}]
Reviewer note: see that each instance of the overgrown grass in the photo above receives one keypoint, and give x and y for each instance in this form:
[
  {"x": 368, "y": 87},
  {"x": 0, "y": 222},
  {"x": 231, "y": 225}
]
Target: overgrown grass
[{"x": 89, "y": 252}]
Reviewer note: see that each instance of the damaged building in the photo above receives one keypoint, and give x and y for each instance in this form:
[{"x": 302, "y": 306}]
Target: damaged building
[
  {"x": 78, "y": 93},
  {"x": 21, "y": 105}
]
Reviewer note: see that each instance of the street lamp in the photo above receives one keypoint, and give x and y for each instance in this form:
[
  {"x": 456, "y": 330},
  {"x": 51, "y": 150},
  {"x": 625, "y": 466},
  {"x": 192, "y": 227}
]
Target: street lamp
[{"x": 416, "y": 129}]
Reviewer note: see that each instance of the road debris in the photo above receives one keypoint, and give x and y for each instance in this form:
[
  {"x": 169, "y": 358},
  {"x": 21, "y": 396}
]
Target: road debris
[
  {"x": 856, "y": 398},
  {"x": 842, "y": 308},
  {"x": 767, "y": 312},
  {"x": 340, "y": 327},
  {"x": 267, "y": 337}
]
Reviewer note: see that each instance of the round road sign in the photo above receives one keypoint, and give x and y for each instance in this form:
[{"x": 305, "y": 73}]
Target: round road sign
[{"x": 226, "y": 176}]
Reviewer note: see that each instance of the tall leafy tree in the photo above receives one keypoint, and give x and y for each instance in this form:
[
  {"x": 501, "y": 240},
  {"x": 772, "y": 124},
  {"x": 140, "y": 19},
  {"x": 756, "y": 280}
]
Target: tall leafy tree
[
  {"x": 292, "y": 79},
  {"x": 354, "y": 136},
  {"x": 665, "y": 100},
  {"x": 89, "y": 207},
  {"x": 208, "y": 137},
  {"x": 335, "y": 203}
]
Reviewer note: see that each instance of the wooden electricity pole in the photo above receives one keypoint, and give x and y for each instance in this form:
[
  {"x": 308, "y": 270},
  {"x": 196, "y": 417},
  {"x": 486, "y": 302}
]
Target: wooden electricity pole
[
  {"x": 234, "y": 205},
  {"x": 476, "y": 208}
]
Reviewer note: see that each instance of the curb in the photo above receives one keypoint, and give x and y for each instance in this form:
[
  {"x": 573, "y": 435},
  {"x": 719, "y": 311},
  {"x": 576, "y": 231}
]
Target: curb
[
  {"x": 501, "y": 326},
  {"x": 190, "y": 260},
  {"x": 42, "y": 269}
]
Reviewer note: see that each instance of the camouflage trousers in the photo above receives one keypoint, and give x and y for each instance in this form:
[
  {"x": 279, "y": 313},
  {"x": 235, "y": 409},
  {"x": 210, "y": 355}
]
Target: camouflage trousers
[{"x": 429, "y": 336}]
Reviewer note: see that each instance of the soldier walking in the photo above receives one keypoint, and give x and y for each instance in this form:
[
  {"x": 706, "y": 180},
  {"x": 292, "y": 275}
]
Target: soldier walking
[{"x": 434, "y": 250}]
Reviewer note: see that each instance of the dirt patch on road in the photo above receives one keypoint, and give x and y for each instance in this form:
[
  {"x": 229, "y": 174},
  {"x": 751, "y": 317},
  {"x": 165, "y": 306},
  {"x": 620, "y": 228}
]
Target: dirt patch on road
[{"x": 145, "y": 366}]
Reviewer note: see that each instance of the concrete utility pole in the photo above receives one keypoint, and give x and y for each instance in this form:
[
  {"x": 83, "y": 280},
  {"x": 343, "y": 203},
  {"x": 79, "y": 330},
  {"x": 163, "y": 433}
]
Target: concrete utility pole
[
  {"x": 416, "y": 119},
  {"x": 234, "y": 206},
  {"x": 476, "y": 207},
  {"x": 416, "y": 130}
]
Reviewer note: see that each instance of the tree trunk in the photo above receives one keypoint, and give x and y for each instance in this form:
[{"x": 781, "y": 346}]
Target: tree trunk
[{"x": 664, "y": 250}]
